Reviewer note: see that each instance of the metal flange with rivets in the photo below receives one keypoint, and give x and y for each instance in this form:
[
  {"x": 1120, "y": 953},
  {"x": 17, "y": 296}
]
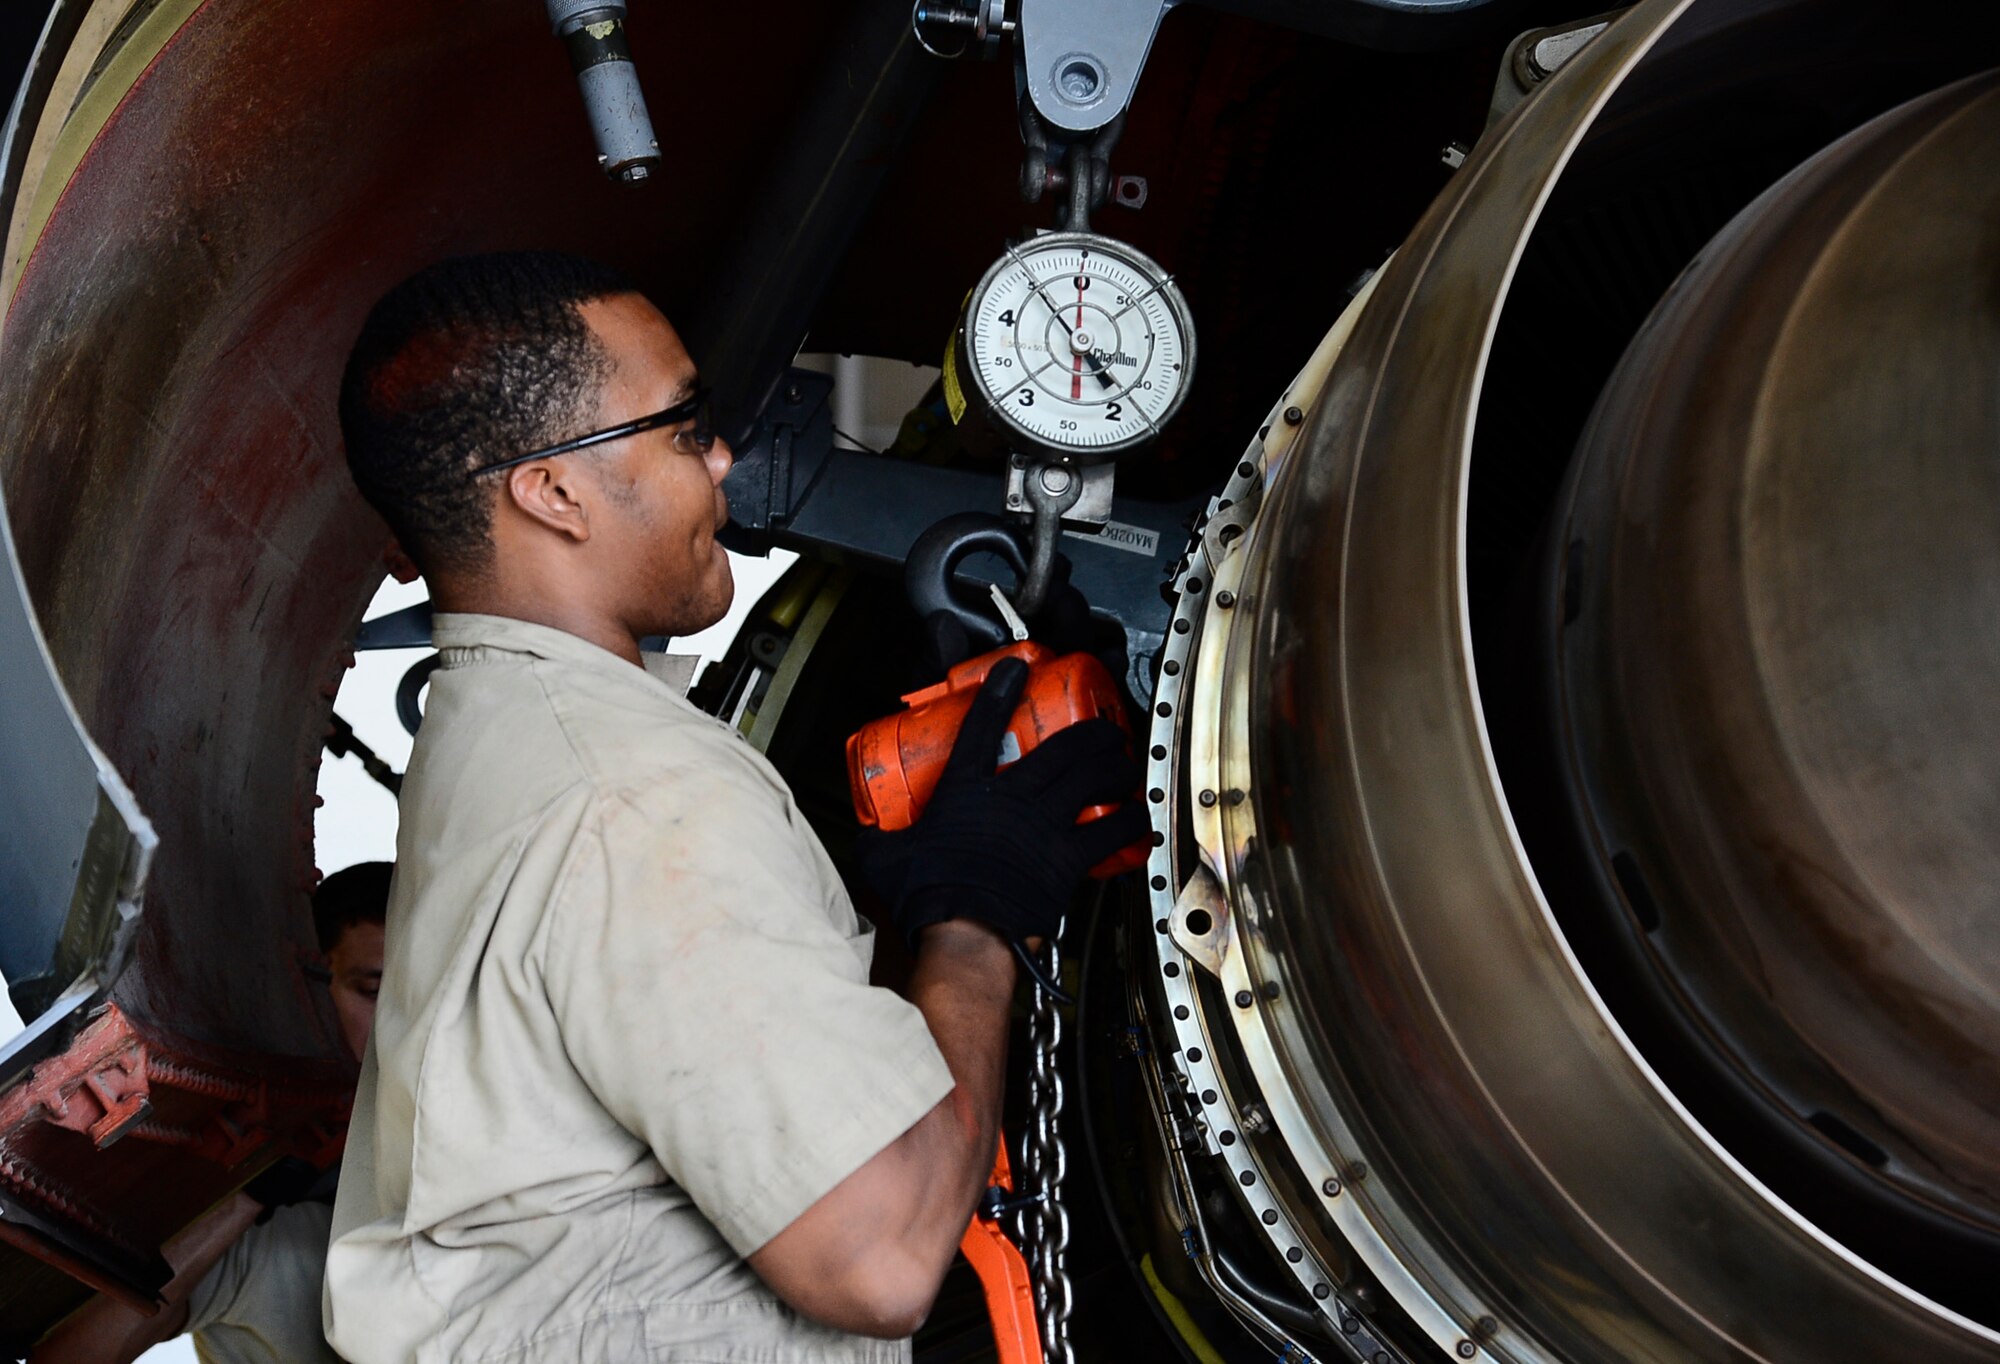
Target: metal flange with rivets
[{"x": 1196, "y": 913}]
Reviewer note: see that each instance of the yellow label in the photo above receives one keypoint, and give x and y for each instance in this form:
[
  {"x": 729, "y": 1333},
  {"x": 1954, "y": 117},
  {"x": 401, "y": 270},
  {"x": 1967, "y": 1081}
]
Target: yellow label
[
  {"x": 954, "y": 390},
  {"x": 954, "y": 393},
  {"x": 603, "y": 30}
]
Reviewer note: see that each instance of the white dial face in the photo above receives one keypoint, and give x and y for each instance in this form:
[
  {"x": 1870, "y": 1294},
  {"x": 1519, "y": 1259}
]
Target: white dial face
[{"x": 1081, "y": 344}]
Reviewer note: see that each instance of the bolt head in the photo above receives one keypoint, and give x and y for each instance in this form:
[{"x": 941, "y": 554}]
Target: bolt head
[
  {"x": 1293, "y": 416},
  {"x": 1330, "y": 1187},
  {"x": 1244, "y": 999},
  {"x": 1207, "y": 799},
  {"x": 1466, "y": 1349}
]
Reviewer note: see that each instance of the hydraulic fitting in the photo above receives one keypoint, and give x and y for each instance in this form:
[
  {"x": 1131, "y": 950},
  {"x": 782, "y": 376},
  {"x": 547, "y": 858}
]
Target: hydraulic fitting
[{"x": 594, "y": 33}]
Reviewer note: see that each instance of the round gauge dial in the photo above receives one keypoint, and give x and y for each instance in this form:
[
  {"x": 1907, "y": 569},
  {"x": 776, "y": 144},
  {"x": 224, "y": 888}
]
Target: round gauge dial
[{"x": 1080, "y": 345}]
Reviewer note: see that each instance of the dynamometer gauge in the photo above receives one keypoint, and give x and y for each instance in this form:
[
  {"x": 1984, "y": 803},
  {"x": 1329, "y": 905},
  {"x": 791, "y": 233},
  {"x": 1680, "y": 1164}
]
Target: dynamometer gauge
[{"x": 1081, "y": 346}]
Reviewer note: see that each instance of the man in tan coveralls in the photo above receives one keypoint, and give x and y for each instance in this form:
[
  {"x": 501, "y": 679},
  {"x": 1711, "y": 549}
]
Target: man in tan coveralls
[{"x": 630, "y": 1094}]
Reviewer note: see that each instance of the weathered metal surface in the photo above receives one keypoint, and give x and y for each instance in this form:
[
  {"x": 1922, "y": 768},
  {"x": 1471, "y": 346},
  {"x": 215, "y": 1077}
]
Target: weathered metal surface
[
  {"x": 1783, "y": 556},
  {"x": 74, "y": 853},
  {"x": 1444, "y": 1070},
  {"x": 1187, "y": 792},
  {"x": 167, "y": 369},
  {"x": 74, "y": 847}
]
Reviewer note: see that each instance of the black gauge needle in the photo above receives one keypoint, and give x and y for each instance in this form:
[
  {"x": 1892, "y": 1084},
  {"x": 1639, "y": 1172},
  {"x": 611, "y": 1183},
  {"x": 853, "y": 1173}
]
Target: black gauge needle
[
  {"x": 1034, "y": 283},
  {"x": 1104, "y": 377},
  {"x": 1100, "y": 369}
]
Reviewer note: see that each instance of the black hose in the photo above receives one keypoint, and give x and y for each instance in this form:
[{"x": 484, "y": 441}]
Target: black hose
[
  {"x": 407, "y": 690},
  {"x": 1298, "y": 1321}
]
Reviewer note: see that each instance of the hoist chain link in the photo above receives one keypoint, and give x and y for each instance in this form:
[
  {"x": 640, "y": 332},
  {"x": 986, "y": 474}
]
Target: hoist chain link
[{"x": 1043, "y": 1231}]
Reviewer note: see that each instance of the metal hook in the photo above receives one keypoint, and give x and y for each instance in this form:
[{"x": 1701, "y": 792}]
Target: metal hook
[
  {"x": 1052, "y": 490},
  {"x": 933, "y": 561}
]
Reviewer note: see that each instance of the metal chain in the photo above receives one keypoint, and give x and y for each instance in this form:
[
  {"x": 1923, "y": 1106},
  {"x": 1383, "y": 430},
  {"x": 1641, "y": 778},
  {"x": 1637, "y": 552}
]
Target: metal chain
[{"x": 1043, "y": 1231}]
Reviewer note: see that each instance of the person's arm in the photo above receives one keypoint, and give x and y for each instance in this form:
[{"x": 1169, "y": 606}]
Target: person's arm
[
  {"x": 996, "y": 857},
  {"x": 870, "y": 1255},
  {"x": 106, "y": 1331}
]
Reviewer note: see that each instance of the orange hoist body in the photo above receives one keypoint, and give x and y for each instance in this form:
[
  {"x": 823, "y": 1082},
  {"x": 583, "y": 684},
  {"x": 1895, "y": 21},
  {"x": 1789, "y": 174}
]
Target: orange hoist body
[{"x": 894, "y": 763}]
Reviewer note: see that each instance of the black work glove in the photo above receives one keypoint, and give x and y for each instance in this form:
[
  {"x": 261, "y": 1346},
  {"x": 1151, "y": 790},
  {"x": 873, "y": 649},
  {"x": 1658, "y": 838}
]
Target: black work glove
[
  {"x": 290, "y": 1180},
  {"x": 1004, "y": 848}
]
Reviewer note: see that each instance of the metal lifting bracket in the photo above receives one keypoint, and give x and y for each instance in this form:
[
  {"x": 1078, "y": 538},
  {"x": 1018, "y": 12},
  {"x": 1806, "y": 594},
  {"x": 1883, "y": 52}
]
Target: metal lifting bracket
[
  {"x": 1080, "y": 62},
  {"x": 1076, "y": 64}
]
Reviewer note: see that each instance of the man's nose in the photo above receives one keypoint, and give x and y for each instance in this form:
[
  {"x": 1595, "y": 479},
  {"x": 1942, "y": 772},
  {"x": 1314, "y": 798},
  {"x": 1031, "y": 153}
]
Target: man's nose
[{"x": 720, "y": 460}]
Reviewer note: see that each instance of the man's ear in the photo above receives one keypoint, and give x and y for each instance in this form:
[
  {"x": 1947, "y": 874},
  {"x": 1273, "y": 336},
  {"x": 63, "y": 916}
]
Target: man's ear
[
  {"x": 548, "y": 494},
  {"x": 400, "y": 565}
]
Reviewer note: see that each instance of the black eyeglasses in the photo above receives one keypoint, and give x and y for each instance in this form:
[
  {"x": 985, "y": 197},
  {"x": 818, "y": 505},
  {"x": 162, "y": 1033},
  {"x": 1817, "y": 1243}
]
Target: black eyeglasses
[{"x": 695, "y": 439}]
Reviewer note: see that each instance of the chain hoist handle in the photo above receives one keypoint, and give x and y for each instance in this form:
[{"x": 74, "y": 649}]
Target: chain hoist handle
[{"x": 1003, "y": 1273}]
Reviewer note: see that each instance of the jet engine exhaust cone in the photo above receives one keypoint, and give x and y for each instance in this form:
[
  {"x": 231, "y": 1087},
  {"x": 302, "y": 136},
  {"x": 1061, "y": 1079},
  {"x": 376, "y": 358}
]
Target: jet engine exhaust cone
[
  {"x": 1783, "y": 565},
  {"x": 1771, "y": 697}
]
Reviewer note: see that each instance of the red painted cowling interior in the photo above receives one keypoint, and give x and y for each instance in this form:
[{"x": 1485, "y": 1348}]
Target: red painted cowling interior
[
  {"x": 167, "y": 375},
  {"x": 85, "y": 1140}
]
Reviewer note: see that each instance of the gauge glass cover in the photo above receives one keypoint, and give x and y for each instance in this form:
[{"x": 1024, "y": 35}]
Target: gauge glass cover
[{"x": 1081, "y": 345}]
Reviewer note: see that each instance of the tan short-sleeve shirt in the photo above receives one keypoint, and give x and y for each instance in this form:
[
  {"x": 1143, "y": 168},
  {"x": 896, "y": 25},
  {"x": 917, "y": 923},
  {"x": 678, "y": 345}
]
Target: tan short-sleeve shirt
[
  {"x": 625, "y": 1034},
  {"x": 260, "y": 1303}
]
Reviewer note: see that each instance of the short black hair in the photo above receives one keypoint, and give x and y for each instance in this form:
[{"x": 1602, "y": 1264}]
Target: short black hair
[
  {"x": 353, "y": 895},
  {"x": 468, "y": 361}
]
